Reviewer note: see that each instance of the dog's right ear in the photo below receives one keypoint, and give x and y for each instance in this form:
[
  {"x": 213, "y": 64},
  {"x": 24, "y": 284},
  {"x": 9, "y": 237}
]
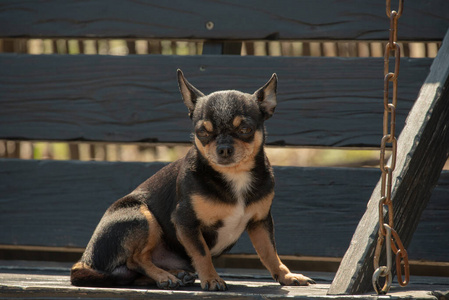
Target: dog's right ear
[
  {"x": 189, "y": 93},
  {"x": 266, "y": 96}
]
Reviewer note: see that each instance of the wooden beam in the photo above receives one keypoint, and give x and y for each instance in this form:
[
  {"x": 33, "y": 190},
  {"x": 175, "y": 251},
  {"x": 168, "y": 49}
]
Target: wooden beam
[
  {"x": 422, "y": 151},
  {"x": 232, "y": 19},
  {"x": 320, "y": 207},
  {"x": 322, "y": 101}
]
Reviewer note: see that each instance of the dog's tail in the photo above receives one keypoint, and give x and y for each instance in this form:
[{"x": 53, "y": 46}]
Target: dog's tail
[{"x": 83, "y": 275}]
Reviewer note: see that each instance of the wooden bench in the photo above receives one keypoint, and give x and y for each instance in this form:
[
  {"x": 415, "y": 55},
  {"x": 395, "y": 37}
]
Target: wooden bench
[{"x": 48, "y": 209}]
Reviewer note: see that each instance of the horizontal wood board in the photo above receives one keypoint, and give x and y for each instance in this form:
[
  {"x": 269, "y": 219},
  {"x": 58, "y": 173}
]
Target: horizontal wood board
[
  {"x": 316, "y": 210},
  {"x": 321, "y": 101},
  {"x": 46, "y": 280},
  {"x": 232, "y": 19}
]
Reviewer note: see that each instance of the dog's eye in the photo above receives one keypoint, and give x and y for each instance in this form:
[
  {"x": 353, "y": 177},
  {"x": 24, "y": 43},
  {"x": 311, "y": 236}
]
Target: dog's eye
[
  {"x": 202, "y": 133},
  {"x": 245, "y": 130}
]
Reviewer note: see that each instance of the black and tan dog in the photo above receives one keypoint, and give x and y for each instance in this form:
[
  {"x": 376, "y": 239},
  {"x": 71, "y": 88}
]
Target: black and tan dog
[{"x": 197, "y": 207}]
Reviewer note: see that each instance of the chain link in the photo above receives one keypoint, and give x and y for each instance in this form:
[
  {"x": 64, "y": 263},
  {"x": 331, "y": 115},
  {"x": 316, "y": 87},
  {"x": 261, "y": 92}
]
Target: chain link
[{"x": 386, "y": 231}]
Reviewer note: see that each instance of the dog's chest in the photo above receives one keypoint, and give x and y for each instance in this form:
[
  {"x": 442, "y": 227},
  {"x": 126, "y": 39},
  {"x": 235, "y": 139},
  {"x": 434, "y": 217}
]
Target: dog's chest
[
  {"x": 235, "y": 223},
  {"x": 232, "y": 229}
]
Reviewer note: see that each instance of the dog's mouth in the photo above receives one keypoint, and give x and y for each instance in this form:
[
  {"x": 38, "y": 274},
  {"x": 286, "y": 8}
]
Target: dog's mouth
[
  {"x": 231, "y": 162},
  {"x": 226, "y": 163},
  {"x": 231, "y": 166},
  {"x": 223, "y": 162},
  {"x": 224, "y": 156}
]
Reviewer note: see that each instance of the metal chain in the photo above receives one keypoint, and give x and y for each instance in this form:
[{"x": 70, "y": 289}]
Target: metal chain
[{"x": 386, "y": 231}]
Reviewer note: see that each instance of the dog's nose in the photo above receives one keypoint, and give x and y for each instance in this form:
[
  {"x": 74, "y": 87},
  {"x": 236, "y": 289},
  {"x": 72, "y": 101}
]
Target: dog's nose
[{"x": 225, "y": 151}]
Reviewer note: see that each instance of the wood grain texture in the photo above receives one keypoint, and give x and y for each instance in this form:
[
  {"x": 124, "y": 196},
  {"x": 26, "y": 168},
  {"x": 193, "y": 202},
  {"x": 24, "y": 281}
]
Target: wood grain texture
[
  {"x": 316, "y": 210},
  {"x": 232, "y": 19},
  {"x": 21, "y": 280},
  {"x": 321, "y": 101},
  {"x": 423, "y": 149}
]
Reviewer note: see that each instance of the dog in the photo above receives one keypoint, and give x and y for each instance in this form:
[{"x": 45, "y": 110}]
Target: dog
[{"x": 168, "y": 229}]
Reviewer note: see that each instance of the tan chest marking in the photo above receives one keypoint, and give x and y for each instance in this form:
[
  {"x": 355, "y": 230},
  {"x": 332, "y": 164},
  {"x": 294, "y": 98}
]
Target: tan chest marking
[
  {"x": 232, "y": 229},
  {"x": 208, "y": 211},
  {"x": 260, "y": 209},
  {"x": 235, "y": 217}
]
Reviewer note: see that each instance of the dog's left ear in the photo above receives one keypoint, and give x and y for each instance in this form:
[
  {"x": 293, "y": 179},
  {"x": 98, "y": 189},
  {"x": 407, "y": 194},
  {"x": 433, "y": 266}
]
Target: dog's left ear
[
  {"x": 266, "y": 96},
  {"x": 190, "y": 94}
]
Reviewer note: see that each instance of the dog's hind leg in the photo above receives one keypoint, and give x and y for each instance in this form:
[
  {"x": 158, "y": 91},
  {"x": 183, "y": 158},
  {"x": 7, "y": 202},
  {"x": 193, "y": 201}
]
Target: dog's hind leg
[
  {"x": 186, "y": 278},
  {"x": 141, "y": 258},
  {"x": 144, "y": 280},
  {"x": 198, "y": 250},
  {"x": 142, "y": 262}
]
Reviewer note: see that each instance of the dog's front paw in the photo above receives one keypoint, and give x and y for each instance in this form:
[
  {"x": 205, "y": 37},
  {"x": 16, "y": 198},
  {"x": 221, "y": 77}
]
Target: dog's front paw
[
  {"x": 295, "y": 279},
  {"x": 213, "y": 284},
  {"x": 186, "y": 278},
  {"x": 168, "y": 282}
]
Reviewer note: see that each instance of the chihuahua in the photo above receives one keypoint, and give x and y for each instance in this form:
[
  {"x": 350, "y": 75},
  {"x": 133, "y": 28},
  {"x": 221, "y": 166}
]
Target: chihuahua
[{"x": 168, "y": 229}]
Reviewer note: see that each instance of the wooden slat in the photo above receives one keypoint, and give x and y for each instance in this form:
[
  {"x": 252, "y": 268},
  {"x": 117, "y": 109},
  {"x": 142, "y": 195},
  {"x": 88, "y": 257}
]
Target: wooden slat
[
  {"x": 423, "y": 149},
  {"x": 232, "y": 19},
  {"x": 31, "y": 280},
  {"x": 57, "y": 203},
  {"x": 322, "y": 101},
  {"x": 54, "y": 283}
]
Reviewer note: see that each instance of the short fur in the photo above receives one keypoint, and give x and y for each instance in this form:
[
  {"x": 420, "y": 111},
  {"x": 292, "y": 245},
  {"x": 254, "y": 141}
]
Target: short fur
[{"x": 195, "y": 208}]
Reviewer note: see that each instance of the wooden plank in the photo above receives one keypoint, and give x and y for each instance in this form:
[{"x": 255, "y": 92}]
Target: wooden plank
[
  {"x": 41, "y": 281},
  {"x": 41, "y": 253},
  {"x": 57, "y": 203},
  {"x": 322, "y": 101},
  {"x": 423, "y": 149},
  {"x": 290, "y": 19},
  {"x": 56, "y": 286}
]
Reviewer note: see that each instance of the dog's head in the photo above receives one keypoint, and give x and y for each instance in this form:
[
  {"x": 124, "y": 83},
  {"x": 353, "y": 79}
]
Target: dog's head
[{"x": 229, "y": 125}]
